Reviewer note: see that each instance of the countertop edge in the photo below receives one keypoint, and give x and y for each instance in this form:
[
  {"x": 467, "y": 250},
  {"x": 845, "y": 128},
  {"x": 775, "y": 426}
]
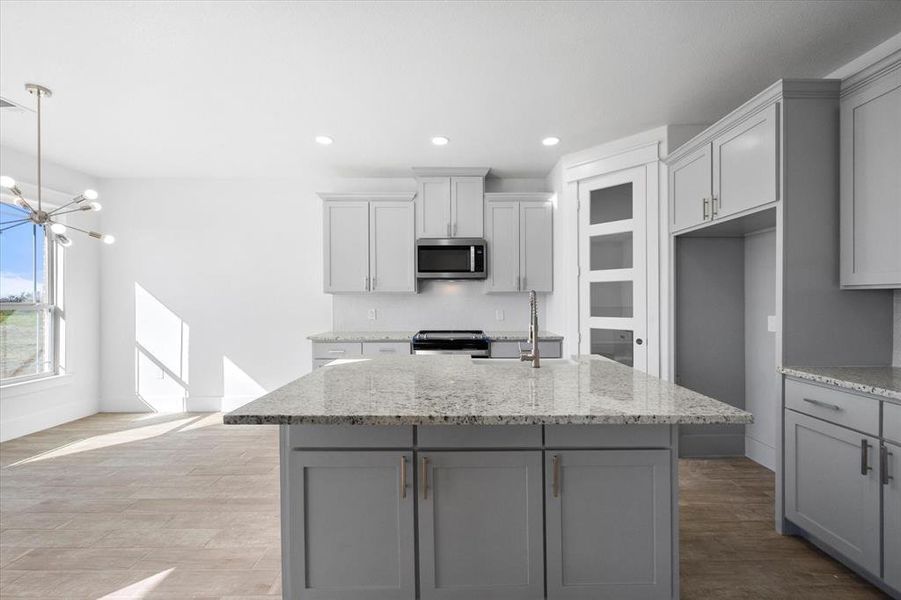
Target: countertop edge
[
  {"x": 384, "y": 420},
  {"x": 873, "y": 390},
  {"x": 400, "y": 336}
]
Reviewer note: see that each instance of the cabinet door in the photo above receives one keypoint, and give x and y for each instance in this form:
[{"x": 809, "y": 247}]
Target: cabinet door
[
  {"x": 871, "y": 185},
  {"x": 690, "y": 189},
  {"x": 480, "y": 525},
  {"x": 467, "y": 207},
  {"x": 503, "y": 247},
  {"x": 392, "y": 247},
  {"x": 346, "y": 246},
  {"x": 536, "y": 245},
  {"x": 352, "y": 524},
  {"x": 609, "y": 524},
  {"x": 832, "y": 486},
  {"x": 745, "y": 164},
  {"x": 891, "y": 526},
  {"x": 433, "y": 218}
]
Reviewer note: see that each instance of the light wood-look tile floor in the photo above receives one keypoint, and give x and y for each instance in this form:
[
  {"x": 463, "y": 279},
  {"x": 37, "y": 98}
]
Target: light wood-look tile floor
[{"x": 180, "y": 506}]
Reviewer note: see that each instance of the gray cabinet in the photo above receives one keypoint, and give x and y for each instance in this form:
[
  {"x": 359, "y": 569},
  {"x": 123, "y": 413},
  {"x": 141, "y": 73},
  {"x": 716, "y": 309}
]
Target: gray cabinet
[
  {"x": 368, "y": 243},
  {"x": 352, "y": 519},
  {"x": 871, "y": 179},
  {"x": 519, "y": 232},
  {"x": 392, "y": 266},
  {"x": 891, "y": 526},
  {"x": 608, "y": 526},
  {"x": 480, "y": 525},
  {"x": 832, "y": 486},
  {"x": 345, "y": 246},
  {"x": 467, "y": 207},
  {"x": 690, "y": 182},
  {"x": 745, "y": 164},
  {"x": 450, "y": 203},
  {"x": 433, "y": 217}
]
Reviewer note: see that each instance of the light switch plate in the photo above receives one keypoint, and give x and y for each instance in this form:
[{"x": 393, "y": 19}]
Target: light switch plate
[
  {"x": 499, "y": 315},
  {"x": 372, "y": 314},
  {"x": 771, "y": 323}
]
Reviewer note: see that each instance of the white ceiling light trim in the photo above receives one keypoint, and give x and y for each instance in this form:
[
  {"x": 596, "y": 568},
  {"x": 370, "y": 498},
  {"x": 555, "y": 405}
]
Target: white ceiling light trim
[{"x": 47, "y": 219}]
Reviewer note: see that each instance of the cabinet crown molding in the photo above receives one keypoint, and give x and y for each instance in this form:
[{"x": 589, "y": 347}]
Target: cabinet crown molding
[
  {"x": 871, "y": 73},
  {"x": 451, "y": 171},
  {"x": 518, "y": 196},
  {"x": 800, "y": 89},
  {"x": 363, "y": 196}
]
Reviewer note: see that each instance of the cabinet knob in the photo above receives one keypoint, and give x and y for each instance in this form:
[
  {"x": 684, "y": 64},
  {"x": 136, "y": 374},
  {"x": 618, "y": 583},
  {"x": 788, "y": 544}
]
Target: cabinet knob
[{"x": 639, "y": 341}]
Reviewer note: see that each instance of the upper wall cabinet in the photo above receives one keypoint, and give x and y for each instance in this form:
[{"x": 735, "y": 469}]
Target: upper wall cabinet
[
  {"x": 450, "y": 203},
  {"x": 871, "y": 177},
  {"x": 736, "y": 171},
  {"x": 368, "y": 243},
  {"x": 519, "y": 232}
]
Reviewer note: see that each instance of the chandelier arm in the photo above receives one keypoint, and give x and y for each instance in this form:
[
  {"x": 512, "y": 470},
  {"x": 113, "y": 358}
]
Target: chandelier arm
[
  {"x": 56, "y": 213},
  {"x": 56, "y": 210},
  {"x": 12, "y": 226},
  {"x": 94, "y": 234},
  {"x": 25, "y": 203}
]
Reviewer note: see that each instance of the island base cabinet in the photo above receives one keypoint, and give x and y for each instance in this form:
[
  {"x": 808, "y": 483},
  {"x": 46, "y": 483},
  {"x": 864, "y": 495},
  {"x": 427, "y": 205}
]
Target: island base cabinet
[
  {"x": 480, "y": 525},
  {"x": 891, "y": 527},
  {"x": 609, "y": 524},
  {"x": 832, "y": 487},
  {"x": 351, "y": 533}
]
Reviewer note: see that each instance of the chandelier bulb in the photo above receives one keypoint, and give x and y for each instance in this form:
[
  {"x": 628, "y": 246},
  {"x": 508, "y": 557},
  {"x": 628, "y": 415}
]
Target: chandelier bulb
[
  {"x": 64, "y": 241},
  {"x": 90, "y": 194},
  {"x": 7, "y": 182},
  {"x": 108, "y": 239},
  {"x": 96, "y": 206},
  {"x": 58, "y": 228}
]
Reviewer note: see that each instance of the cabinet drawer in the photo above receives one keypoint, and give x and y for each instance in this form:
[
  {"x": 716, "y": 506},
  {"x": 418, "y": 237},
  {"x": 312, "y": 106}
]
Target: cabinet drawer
[
  {"x": 479, "y": 436},
  {"x": 891, "y": 421},
  {"x": 835, "y": 406},
  {"x": 337, "y": 349},
  {"x": 548, "y": 349},
  {"x": 607, "y": 436},
  {"x": 385, "y": 348}
]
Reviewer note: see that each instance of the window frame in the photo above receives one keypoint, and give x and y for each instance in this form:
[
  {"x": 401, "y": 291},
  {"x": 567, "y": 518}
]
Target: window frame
[{"x": 51, "y": 302}]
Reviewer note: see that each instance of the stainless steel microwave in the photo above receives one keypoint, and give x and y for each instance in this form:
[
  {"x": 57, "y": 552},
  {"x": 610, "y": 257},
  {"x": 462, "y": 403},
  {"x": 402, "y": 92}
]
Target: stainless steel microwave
[{"x": 450, "y": 258}]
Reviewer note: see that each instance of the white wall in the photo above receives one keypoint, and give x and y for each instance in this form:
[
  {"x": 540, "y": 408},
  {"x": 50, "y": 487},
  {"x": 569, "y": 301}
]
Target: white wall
[
  {"x": 36, "y": 405},
  {"x": 896, "y": 355}
]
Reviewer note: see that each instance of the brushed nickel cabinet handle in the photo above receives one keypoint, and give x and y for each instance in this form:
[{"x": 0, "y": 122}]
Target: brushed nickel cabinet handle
[
  {"x": 883, "y": 465},
  {"x": 424, "y": 475},
  {"x": 403, "y": 476},
  {"x": 865, "y": 467},
  {"x": 828, "y": 405},
  {"x": 337, "y": 351},
  {"x": 713, "y": 209},
  {"x": 555, "y": 484},
  {"x": 704, "y": 212}
]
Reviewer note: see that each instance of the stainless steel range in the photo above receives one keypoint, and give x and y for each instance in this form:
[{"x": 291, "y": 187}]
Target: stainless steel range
[{"x": 444, "y": 341}]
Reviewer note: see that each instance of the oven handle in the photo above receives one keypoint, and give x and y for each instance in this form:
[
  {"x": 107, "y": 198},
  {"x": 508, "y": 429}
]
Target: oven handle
[{"x": 472, "y": 259}]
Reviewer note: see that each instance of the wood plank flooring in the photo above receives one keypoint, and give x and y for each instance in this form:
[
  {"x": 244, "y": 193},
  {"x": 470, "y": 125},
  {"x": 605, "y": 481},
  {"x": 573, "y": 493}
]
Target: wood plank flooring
[{"x": 180, "y": 506}]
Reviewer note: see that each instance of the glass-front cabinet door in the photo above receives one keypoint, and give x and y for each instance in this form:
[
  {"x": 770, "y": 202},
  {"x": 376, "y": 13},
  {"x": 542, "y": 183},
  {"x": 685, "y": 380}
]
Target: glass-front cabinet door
[{"x": 613, "y": 267}]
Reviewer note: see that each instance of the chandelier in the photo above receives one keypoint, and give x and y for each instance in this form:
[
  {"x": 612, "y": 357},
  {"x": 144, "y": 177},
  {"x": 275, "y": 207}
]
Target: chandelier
[{"x": 85, "y": 201}]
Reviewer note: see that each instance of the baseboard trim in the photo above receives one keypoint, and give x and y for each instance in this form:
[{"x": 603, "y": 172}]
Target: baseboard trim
[
  {"x": 760, "y": 453},
  {"x": 57, "y": 414}
]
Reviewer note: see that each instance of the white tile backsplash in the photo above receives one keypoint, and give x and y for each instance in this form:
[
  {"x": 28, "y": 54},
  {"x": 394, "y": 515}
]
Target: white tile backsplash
[
  {"x": 439, "y": 305},
  {"x": 896, "y": 355}
]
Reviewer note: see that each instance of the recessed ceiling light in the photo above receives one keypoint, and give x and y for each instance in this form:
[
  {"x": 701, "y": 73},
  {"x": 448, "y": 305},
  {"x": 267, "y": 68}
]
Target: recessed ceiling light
[
  {"x": 550, "y": 141},
  {"x": 324, "y": 140},
  {"x": 440, "y": 140}
]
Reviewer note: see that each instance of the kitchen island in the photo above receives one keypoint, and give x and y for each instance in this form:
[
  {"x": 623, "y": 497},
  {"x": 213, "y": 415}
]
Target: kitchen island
[{"x": 446, "y": 477}]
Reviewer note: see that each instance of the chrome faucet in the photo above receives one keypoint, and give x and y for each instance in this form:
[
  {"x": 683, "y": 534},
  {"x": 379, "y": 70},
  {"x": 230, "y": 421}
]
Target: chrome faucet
[{"x": 533, "y": 333}]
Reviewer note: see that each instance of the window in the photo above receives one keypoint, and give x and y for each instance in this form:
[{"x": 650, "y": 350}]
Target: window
[{"x": 30, "y": 317}]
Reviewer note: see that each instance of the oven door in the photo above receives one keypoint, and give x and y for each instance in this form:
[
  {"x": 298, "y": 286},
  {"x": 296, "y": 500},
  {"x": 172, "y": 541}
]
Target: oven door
[{"x": 450, "y": 258}]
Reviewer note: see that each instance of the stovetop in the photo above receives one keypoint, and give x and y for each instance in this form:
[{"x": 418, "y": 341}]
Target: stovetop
[{"x": 449, "y": 335}]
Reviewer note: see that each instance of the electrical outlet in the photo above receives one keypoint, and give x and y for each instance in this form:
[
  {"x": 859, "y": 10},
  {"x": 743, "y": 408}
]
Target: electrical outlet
[
  {"x": 372, "y": 314},
  {"x": 771, "y": 323},
  {"x": 499, "y": 315}
]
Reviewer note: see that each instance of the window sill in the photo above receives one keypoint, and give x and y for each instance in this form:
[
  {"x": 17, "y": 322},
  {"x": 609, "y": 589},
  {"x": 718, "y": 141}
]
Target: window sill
[{"x": 21, "y": 388}]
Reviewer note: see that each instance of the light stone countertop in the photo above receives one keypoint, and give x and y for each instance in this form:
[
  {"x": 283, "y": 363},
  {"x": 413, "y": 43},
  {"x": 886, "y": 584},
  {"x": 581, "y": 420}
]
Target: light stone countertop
[
  {"x": 406, "y": 336},
  {"x": 879, "y": 381},
  {"x": 456, "y": 390}
]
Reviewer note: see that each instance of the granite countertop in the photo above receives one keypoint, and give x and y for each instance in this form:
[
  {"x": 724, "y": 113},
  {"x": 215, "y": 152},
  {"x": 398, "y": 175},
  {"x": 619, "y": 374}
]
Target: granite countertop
[
  {"x": 406, "y": 336},
  {"x": 456, "y": 390},
  {"x": 879, "y": 381}
]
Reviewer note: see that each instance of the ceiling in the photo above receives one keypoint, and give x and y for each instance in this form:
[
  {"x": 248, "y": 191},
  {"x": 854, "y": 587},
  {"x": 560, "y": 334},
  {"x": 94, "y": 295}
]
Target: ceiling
[{"x": 226, "y": 89}]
